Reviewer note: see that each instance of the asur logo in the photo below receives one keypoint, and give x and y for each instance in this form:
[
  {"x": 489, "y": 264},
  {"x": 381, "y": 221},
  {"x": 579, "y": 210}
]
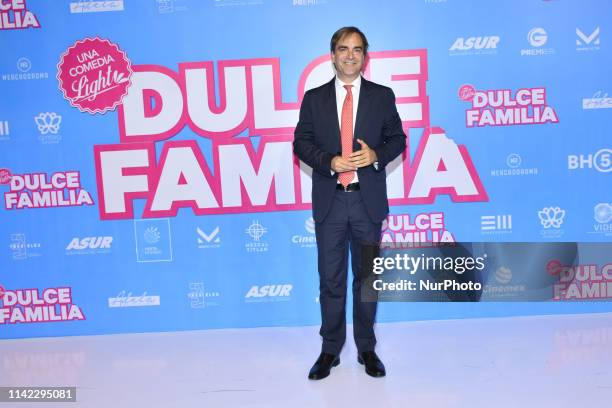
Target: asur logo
[
  {"x": 474, "y": 44},
  {"x": 270, "y": 291},
  {"x": 102, "y": 242}
]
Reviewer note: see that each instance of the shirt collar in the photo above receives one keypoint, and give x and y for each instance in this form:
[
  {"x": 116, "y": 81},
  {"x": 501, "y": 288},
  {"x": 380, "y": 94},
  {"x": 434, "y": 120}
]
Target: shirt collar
[{"x": 356, "y": 83}]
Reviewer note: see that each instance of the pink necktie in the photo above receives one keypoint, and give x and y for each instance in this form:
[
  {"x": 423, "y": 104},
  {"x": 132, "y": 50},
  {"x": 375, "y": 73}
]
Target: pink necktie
[{"x": 346, "y": 134}]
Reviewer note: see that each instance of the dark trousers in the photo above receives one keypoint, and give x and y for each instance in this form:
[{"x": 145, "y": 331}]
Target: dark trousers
[{"x": 345, "y": 228}]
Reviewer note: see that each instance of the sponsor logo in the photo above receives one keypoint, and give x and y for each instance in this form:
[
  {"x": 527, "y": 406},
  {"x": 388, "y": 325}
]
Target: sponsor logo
[
  {"x": 14, "y": 15},
  {"x": 583, "y": 281},
  {"x": 22, "y": 248},
  {"x": 48, "y": 124},
  {"x": 269, "y": 293},
  {"x": 127, "y": 299},
  {"x": 170, "y": 6},
  {"x": 24, "y": 66},
  {"x": 537, "y": 38},
  {"x": 587, "y": 42},
  {"x": 92, "y": 6},
  {"x": 94, "y": 75},
  {"x": 89, "y": 245},
  {"x": 474, "y": 45},
  {"x": 551, "y": 219},
  {"x": 502, "y": 287},
  {"x": 492, "y": 224},
  {"x": 420, "y": 229},
  {"x": 306, "y": 241},
  {"x": 256, "y": 231},
  {"x": 200, "y": 298},
  {"x": 37, "y": 306},
  {"x": 599, "y": 100},
  {"x": 153, "y": 240},
  {"x": 43, "y": 190},
  {"x": 502, "y": 107},
  {"x": 602, "y": 213},
  {"x": 237, "y": 3},
  {"x": 308, "y": 2},
  {"x": 4, "y": 130},
  {"x": 513, "y": 163},
  {"x": 210, "y": 240},
  {"x": 5, "y": 176},
  {"x": 601, "y": 161}
]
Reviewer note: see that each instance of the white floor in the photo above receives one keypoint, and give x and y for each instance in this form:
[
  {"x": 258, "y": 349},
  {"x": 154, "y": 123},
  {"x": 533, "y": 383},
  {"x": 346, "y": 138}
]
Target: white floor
[{"x": 547, "y": 361}]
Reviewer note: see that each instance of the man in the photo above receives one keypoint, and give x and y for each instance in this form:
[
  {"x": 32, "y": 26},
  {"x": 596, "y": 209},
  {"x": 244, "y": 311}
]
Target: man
[{"x": 348, "y": 131}]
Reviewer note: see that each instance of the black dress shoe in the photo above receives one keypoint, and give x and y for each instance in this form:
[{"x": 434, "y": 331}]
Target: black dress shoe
[
  {"x": 373, "y": 366},
  {"x": 322, "y": 366}
]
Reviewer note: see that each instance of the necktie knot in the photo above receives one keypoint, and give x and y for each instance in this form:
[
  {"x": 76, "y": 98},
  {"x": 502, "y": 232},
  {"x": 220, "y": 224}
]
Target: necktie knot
[{"x": 348, "y": 89}]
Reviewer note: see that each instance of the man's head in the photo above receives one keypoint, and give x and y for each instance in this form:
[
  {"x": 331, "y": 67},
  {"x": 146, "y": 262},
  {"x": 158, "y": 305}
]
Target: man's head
[{"x": 349, "y": 48}]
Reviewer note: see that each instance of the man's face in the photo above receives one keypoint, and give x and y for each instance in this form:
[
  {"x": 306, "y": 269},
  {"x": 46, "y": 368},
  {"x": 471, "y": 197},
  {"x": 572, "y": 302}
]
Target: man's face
[{"x": 348, "y": 57}]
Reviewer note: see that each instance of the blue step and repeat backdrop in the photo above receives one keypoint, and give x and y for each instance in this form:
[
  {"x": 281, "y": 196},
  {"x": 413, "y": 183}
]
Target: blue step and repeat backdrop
[{"x": 147, "y": 176}]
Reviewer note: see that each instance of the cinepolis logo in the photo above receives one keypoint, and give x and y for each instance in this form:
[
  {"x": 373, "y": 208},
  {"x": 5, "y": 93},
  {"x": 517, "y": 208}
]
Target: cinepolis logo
[
  {"x": 551, "y": 217},
  {"x": 306, "y": 241}
]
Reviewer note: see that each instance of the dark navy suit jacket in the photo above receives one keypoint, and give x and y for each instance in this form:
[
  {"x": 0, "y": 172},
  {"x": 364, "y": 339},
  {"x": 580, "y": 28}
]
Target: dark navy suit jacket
[{"x": 317, "y": 141}]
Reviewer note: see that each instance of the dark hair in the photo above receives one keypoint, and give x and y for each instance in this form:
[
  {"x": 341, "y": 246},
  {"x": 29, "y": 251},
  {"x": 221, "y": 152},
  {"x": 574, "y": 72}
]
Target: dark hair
[{"x": 344, "y": 31}]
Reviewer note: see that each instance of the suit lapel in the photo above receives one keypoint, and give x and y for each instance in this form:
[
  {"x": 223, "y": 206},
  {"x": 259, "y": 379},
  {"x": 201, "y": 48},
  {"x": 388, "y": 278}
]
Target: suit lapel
[
  {"x": 363, "y": 106},
  {"x": 331, "y": 109}
]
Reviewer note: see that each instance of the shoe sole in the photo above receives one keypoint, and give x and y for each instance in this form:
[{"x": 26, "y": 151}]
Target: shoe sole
[{"x": 314, "y": 377}]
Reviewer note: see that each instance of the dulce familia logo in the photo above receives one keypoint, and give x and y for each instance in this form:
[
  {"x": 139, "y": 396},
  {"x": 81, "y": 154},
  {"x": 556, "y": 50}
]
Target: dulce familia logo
[
  {"x": 14, "y": 15},
  {"x": 94, "y": 75},
  {"x": 502, "y": 107},
  {"x": 35, "y": 306},
  {"x": 40, "y": 190},
  {"x": 582, "y": 281},
  {"x": 232, "y": 176},
  {"x": 423, "y": 228}
]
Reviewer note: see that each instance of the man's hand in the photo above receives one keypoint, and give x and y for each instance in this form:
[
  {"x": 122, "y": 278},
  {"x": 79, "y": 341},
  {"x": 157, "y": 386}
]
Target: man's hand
[
  {"x": 363, "y": 157},
  {"x": 339, "y": 164}
]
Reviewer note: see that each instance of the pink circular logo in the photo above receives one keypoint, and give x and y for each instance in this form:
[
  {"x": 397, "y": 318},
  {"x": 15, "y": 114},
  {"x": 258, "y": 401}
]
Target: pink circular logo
[
  {"x": 553, "y": 267},
  {"x": 5, "y": 176},
  {"x": 94, "y": 75},
  {"x": 466, "y": 92}
]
